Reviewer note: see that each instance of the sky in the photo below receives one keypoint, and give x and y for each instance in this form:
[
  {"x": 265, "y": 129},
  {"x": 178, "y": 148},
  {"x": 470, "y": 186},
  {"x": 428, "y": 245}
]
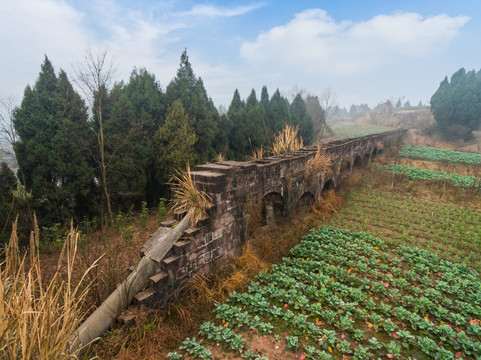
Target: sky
[{"x": 363, "y": 51}]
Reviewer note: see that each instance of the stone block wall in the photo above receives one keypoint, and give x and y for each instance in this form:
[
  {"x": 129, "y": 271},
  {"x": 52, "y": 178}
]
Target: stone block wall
[{"x": 278, "y": 182}]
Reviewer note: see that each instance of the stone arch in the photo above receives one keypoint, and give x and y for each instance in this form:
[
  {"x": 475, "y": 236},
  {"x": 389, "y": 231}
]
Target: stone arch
[
  {"x": 272, "y": 207},
  {"x": 367, "y": 157},
  {"x": 306, "y": 199},
  {"x": 328, "y": 185},
  {"x": 345, "y": 165},
  {"x": 357, "y": 162}
]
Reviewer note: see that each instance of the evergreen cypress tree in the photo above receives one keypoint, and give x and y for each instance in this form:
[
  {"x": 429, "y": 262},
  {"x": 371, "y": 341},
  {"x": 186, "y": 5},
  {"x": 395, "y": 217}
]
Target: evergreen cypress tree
[
  {"x": 190, "y": 90},
  {"x": 456, "y": 105},
  {"x": 255, "y": 125},
  {"x": 174, "y": 142},
  {"x": 125, "y": 150},
  {"x": 75, "y": 192},
  {"x": 147, "y": 103},
  {"x": 56, "y": 170},
  {"x": 238, "y": 139},
  {"x": 301, "y": 118},
  {"x": 278, "y": 113}
]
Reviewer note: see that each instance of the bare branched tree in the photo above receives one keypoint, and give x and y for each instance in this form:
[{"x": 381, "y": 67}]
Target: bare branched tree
[
  {"x": 328, "y": 101},
  {"x": 94, "y": 76},
  {"x": 291, "y": 93},
  {"x": 8, "y": 138},
  {"x": 8, "y": 135}
]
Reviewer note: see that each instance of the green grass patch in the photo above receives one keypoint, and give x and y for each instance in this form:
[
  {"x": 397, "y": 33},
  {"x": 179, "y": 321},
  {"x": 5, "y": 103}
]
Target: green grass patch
[
  {"x": 347, "y": 294},
  {"x": 435, "y": 154},
  {"x": 350, "y": 130},
  {"x": 414, "y": 173}
]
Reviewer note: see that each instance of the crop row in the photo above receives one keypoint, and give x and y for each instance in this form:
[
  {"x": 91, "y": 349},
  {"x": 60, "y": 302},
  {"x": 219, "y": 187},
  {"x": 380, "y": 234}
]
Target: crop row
[
  {"x": 449, "y": 230},
  {"x": 414, "y": 173},
  {"x": 435, "y": 154},
  {"x": 342, "y": 293}
]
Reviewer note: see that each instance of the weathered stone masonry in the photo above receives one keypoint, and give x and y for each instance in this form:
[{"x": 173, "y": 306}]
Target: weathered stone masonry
[{"x": 280, "y": 183}]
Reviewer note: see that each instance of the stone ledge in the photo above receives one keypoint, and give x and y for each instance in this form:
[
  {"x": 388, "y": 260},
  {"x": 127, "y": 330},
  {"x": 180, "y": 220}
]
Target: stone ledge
[{"x": 147, "y": 298}]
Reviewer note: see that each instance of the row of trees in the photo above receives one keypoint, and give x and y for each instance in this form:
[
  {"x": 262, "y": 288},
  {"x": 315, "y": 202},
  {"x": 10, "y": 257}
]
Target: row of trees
[
  {"x": 118, "y": 148},
  {"x": 456, "y": 105},
  {"x": 357, "y": 109}
]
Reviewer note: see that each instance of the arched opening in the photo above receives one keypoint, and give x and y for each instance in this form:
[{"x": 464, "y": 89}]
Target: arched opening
[
  {"x": 366, "y": 157},
  {"x": 374, "y": 152},
  {"x": 379, "y": 151},
  {"x": 345, "y": 165},
  {"x": 272, "y": 208},
  {"x": 307, "y": 199},
  {"x": 328, "y": 185},
  {"x": 357, "y": 162}
]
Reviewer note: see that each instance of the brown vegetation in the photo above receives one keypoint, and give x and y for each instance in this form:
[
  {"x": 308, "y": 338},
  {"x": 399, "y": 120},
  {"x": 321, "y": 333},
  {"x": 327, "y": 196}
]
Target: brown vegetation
[
  {"x": 287, "y": 141},
  {"x": 155, "y": 334},
  {"x": 39, "y": 316},
  {"x": 258, "y": 153},
  {"x": 186, "y": 198},
  {"x": 321, "y": 162}
]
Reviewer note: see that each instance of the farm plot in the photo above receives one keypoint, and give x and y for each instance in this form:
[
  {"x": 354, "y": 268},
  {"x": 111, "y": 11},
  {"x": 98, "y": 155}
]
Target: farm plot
[
  {"x": 448, "y": 230},
  {"x": 415, "y": 173},
  {"x": 435, "y": 154},
  {"x": 351, "y": 130},
  {"x": 347, "y": 295}
]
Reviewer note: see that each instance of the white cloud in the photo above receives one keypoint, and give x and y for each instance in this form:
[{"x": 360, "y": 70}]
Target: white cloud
[
  {"x": 315, "y": 42},
  {"x": 29, "y": 29},
  {"x": 216, "y": 11},
  {"x": 136, "y": 36}
]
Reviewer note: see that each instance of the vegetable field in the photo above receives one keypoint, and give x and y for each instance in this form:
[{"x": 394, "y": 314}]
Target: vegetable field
[
  {"x": 446, "y": 229},
  {"x": 415, "y": 173},
  {"x": 347, "y": 295},
  {"x": 435, "y": 154}
]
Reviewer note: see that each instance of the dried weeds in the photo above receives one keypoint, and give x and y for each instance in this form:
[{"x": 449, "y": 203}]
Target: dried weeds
[
  {"x": 186, "y": 198},
  {"x": 287, "y": 140}
]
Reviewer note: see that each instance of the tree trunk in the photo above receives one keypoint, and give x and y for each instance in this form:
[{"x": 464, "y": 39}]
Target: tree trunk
[
  {"x": 103, "y": 167},
  {"x": 103, "y": 317}
]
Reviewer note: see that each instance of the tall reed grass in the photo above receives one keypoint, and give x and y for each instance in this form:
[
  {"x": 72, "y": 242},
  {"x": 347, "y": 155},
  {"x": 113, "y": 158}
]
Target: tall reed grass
[
  {"x": 258, "y": 153},
  {"x": 38, "y": 316},
  {"x": 321, "y": 162},
  {"x": 287, "y": 141},
  {"x": 187, "y": 198}
]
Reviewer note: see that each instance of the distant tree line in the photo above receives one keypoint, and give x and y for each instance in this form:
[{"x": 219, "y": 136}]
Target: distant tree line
[
  {"x": 456, "y": 105},
  {"x": 115, "y": 147}
]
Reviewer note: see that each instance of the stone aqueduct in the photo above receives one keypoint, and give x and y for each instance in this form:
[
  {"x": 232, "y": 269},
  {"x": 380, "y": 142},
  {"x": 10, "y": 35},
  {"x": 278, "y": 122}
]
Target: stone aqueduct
[{"x": 278, "y": 183}]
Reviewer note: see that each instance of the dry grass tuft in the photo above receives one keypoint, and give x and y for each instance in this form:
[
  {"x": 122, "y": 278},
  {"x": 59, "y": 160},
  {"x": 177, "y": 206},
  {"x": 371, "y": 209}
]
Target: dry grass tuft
[
  {"x": 39, "y": 318},
  {"x": 208, "y": 290},
  {"x": 287, "y": 141},
  {"x": 254, "y": 210},
  {"x": 321, "y": 162},
  {"x": 379, "y": 146},
  {"x": 327, "y": 204},
  {"x": 258, "y": 153},
  {"x": 187, "y": 198},
  {"x": 220, "y": 157}
]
